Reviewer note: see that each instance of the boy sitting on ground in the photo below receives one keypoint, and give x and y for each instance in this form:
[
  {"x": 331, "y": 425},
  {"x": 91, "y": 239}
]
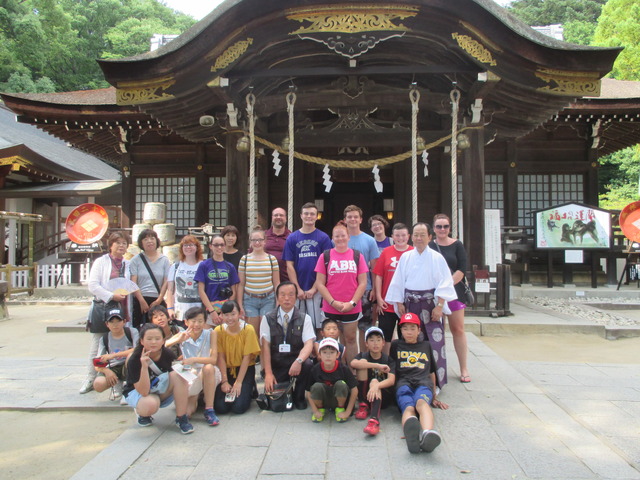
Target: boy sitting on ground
[
  {"x": 330, "y": 329},
  {"x": 199, "y": 356},
  {"x": 115, "y": 346},
  {"x": 331, "y": 384},
  {"x": 375, "y": 375},
  {"x": 415, "y": 386}
]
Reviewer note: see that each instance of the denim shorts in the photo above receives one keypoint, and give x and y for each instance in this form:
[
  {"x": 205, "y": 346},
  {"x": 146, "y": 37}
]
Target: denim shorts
[
  {"x": 408, "y": 397},
  {"x": 258, "y": 307},
  {"x": 134, "y": 397}
]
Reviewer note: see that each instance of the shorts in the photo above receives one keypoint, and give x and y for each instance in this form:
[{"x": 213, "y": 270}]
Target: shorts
[
  {"x": 456, "y": 305},
  {"x": 408, "y": 397},
  {"x": 311, "y": 306},
  {"x": 196, "y": 387},
  {"x": 366, "y": 320},
  {"x": 387, "y": 322},
  {"x": 342, "y": 317},
  {"x": 118, "y": 370},
  {"x": 133, "y": 397},
  {"x": 329, "y": 394},
  {"x": 258, "y": 307}
]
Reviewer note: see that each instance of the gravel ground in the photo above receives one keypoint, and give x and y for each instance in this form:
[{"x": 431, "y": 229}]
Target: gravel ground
[{"x": 583, "y": 309}]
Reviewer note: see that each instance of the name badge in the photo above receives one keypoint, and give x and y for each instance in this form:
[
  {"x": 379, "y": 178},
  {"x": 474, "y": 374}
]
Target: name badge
[{"x": 284, "y": 348}]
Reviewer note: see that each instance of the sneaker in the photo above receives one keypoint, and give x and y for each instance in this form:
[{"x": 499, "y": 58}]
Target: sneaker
[
  {"x": 123, "y": 401},
  {"x": 363, "y": 411},
  {"x": 315, "y": 419},
  {"x": 145, "y": 421},
  {"x": 87, "y": 386},
  {"x": 116, "y": 392},
  {"x": 412, "y": 430},
  {"x": 429, "y": 440},
  {"x": 373, "y": 427},
  {"x": 211, "y": 417},
  {"x": 338, "y": 419},
  {"x": 183, "y": 424}
]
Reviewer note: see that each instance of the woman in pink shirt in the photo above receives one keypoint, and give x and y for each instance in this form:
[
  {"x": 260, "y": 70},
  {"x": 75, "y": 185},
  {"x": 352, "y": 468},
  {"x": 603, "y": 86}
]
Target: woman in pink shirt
[{"x": 341, "y": 280}]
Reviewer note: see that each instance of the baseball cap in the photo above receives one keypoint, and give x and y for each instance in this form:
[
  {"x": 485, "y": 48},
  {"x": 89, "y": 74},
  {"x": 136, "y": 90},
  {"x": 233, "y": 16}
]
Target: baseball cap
[
  {"x": 371, "y": 330},
  {"x": 114, "y": 312},
  {"x": 410, "y": 318},
  {"x": 329, "y": 342}
]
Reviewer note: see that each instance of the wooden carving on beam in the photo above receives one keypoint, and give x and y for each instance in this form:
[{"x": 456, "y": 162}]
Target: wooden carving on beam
[
  {"x": 561, "y": 82},
  {"x": 231, "y": 54},
  {"x": 474, "y": 48},
  {"x": 351, "y": 30},
  {"x": 151, "y": 91}
]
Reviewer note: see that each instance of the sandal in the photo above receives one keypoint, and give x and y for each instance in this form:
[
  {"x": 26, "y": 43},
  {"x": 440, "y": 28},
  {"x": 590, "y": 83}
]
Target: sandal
[{"x": 465, "y": 379}]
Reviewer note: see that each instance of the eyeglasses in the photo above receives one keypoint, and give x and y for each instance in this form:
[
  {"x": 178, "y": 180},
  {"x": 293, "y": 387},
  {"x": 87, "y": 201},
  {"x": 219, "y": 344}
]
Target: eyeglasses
[
  {"x": 376, "y": 225},
  {"x": 218, "y": 245},
  {"x": 257, "y": 240},
  {"x": 189, "y": 245},
  {"x": 441, "y": 227}
]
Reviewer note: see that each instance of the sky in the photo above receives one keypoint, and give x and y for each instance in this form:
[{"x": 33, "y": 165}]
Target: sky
[{"x": 201, "y": 8}]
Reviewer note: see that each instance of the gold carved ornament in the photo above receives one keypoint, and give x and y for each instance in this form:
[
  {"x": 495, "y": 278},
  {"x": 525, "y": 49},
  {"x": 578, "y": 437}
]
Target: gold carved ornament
[
  {"x": 15, "y": 161},
  {"x": 135, "y": 93},
  {"x": 231, "y": 54},
  {"x": 352, "y": 19},
  {"x": 562, "y": 82},
  {"x": 474, "y": 48}
]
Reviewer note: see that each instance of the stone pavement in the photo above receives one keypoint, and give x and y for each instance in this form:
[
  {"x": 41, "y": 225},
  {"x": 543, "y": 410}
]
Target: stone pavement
[{"x": 515, "y": 420}]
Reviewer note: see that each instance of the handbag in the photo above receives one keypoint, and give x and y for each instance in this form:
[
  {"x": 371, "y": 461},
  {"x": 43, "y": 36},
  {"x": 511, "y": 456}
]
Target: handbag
[
  {"x": 280, "y": 399},
  {"x": 160, "y": 382},
  {"x": 469, "y": 299}
]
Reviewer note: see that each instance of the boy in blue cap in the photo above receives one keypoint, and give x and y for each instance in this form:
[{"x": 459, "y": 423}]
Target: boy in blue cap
[{"x": 415, "y": 386}]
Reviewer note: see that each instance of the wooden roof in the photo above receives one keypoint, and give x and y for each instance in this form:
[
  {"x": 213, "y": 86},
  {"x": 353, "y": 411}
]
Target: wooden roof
[{"x": 340, "y": 57}]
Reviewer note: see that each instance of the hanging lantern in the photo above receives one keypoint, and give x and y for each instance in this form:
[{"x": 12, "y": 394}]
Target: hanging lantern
[
  {"x": 463, "y": 141},
  {"x": 243, "y": 144}
]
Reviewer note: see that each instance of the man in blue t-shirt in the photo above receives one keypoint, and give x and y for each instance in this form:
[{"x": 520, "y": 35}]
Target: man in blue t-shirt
[
  {"x": 366, "y": 244},
  {"x": 301, "y": 252}
]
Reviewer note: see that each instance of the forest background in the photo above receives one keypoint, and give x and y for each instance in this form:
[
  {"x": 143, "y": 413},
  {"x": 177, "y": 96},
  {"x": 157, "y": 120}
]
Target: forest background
[{"x": 52, "y": 46}]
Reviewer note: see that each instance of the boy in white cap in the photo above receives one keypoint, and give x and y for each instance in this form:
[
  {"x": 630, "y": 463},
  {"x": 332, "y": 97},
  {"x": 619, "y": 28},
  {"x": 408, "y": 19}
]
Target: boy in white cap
[
  {"x": 114, "y": 348},
  {"x": 415, "y": 385},
  {"x": 331, "y": 384},
  {"x": 375, "y": 373}
]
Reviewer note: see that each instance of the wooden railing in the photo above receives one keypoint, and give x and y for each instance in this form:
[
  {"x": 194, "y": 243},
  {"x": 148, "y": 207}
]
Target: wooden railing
[{"x": 12, "y": 274}]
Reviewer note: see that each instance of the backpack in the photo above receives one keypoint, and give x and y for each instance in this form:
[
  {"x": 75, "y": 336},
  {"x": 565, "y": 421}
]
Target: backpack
[
  {"x": 105, "y": 338},
  {"x": 327, "y": 254}
]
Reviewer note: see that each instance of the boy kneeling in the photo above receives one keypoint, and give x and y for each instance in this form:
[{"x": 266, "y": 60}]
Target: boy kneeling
[
  {"x": 331, "y": 384},
  {"x": 375, "y": 375},
  {"x": 415, "y": 386},
  {"x": 115, "y": 346}
]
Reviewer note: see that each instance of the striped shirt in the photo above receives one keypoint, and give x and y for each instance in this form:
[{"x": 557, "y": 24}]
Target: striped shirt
[{"x": 258, "y": 273}]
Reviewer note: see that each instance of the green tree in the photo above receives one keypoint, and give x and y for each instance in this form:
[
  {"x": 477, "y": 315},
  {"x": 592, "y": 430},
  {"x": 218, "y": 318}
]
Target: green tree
[
  {"x": 620, "y": 178},
  {"x": 619, "y": 26},
  {"x": 578, "y": 17}
]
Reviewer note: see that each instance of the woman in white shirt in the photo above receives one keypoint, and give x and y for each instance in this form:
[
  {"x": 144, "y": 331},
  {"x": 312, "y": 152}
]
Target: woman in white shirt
[{"x": 182, "y": 289}]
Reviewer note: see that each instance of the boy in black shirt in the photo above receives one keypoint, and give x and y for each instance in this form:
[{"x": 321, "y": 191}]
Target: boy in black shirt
[
  {"x": 415, "y": 391},
  {"x": 331, "y": 384},
  {"x": 375, "y": 375}
]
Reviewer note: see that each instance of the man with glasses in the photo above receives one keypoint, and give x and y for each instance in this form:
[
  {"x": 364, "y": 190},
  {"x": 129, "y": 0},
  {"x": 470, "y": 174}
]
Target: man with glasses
[
  {"x": 422, "y": 284},
  {"x": 301, "y": 252},
  {"x": 276, "y": 237}
]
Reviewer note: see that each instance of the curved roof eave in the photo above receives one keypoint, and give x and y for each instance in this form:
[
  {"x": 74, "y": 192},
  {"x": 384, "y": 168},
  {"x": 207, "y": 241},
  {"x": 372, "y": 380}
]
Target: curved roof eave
[{"x": 238, "y": 15}]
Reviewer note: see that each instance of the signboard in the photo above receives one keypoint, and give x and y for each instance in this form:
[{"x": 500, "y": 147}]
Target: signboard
[
  {"x": 483, "y": 282},
  {"x": 573, "y": 225},
  {"x": 87, "y": 224},
  {"x": 95, "y": 247},
  {"x": 492, "y": 239},
  {"x": 630, "y": 221}
]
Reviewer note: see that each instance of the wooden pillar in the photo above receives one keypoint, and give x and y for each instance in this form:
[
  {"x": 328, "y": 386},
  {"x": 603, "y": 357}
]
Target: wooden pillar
[
  {"x": 202, "y": 187},
  {"x": 511, "y": 188},
  {"x": 591, "y": 178},
  {"x": 473, "y": 197},
  {"x": 237, "y": 188},
  {"x": 128, "y": 195}
]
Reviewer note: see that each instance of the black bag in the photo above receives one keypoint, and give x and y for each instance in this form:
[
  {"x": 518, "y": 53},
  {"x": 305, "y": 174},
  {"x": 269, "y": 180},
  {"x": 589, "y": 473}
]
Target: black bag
[
  {"x": 280, "y": 399},
  {"x": 469, "y": 299},
  {"x": 97, "y": 321}
]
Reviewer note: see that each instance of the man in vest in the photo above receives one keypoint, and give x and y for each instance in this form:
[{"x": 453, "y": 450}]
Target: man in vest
[{"x": 287, "y": 337}]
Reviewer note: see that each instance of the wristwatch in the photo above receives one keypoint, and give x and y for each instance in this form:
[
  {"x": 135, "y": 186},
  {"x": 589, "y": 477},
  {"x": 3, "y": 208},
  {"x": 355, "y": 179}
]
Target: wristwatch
[
  {"x": 299, "y": 360},
  {"x": 353, "y": 303}
]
